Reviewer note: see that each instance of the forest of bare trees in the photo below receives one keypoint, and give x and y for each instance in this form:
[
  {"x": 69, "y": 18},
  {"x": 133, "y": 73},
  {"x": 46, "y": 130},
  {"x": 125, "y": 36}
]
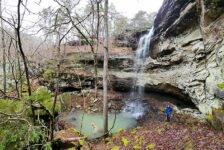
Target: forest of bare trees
[{"x": 30, "y": 39}]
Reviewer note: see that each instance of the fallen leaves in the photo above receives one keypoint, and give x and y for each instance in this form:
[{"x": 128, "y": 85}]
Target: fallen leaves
[
  {"x": 125, "y": 141},
  {"x": 150, "y": 146}
]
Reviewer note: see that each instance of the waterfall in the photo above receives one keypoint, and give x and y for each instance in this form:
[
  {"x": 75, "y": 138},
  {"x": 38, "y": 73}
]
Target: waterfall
[
  {"x": 141, "y": 53},
  {"x": 135, "y": 106}
]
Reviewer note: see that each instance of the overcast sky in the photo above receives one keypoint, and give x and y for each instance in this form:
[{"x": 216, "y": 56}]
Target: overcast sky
[
  {"x": 126, "y": 7},
  {"x": 131, "y": 7}
]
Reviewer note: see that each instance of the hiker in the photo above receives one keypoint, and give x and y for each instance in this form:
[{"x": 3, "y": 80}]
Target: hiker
[{"x": 168, "y": 112}]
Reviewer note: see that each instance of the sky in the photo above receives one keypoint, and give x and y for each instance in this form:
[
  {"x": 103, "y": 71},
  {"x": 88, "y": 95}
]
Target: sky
[
  {"x": 126, "y": 7},
  {"x": 130, "y": 7}
]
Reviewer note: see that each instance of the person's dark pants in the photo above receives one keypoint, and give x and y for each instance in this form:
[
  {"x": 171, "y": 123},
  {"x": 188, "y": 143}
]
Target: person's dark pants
[{"x": 168, "y": 117}]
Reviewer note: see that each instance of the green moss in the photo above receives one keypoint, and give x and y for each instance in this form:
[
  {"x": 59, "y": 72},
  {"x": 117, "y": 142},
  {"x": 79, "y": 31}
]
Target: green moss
[
  {"x": 47, "y": 75},
  {"x": 40, "y": 95},
  {"x": 9, "y": 106},
  {"x": 209, "y": 117},
  {"x": 43, "y": 97},
  {"x": 48, "y": 104},
  {"x": 216, "y": 119},
  {"x": 221, "y": 85},
  {"x": 65, "y": 100}
]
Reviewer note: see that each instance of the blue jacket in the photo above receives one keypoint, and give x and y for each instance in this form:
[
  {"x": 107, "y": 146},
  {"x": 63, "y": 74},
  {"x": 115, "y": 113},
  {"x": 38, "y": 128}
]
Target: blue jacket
[{"x": 168, "y": 110}]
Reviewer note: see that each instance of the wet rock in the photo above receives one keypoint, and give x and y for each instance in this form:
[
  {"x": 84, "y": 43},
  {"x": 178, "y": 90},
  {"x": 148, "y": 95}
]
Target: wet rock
[
  {"x": 175, "y": 17},
  {"x": 122, "y": 84},
  {"x": 129, "y": 38}
]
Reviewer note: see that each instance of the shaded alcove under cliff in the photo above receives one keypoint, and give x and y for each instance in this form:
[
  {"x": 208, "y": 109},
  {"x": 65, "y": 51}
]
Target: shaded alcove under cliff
[{"x": 160, "y": 92}]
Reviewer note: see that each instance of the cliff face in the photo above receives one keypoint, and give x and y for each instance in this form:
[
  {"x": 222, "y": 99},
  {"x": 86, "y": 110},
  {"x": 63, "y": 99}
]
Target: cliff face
[{"x": 187, "y": 51}]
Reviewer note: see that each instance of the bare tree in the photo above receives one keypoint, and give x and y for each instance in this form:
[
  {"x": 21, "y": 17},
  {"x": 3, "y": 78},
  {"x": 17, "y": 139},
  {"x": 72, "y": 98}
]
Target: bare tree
[
  {"x": 3, "y": 50},
  {"x": 59, "y": 40},
  {"x": 105, "y": 68},
  {"x": 83, "y": 29},
  {"x": 20, "y": 46}
]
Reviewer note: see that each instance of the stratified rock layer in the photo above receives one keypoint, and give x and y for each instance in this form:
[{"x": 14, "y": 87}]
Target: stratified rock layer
[{"x": 187, "y": 50}]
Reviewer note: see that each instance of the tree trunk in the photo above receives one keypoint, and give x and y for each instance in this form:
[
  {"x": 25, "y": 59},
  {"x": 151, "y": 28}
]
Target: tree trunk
[
  {"x": 97, "y": 44},
  {"x": 23, "y": 56},
  {"x": 3, "y": 49},
  {"x": 56, "y": 86},
  {"x": 105, "y": 68},
  {"x": 21, "y": 48}
]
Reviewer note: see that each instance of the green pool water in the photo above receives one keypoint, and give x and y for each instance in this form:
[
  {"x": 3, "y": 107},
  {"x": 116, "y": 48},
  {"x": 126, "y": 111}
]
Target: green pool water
[{"x": 92, "y": 124}]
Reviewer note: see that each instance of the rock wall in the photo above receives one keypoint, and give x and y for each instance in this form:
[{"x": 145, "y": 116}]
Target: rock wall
[{"x": 187, "y": 51}]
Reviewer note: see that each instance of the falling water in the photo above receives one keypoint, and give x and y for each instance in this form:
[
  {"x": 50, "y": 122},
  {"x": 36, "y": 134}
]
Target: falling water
[
  {"x": 135, "y": 106},
  {"x": 141, "y": 53}
]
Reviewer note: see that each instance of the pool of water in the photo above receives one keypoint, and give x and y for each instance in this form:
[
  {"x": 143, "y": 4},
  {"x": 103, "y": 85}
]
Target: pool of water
[{"x": 91, "y": 125}]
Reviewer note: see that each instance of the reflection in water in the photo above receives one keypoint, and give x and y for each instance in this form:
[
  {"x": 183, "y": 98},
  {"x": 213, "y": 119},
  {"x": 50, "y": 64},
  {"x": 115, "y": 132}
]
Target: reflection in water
[{"x": 92, "y": 124}]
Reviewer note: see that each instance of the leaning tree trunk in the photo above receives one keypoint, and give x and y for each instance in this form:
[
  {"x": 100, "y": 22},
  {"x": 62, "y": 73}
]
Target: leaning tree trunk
[{"x": 105, "y": 69}]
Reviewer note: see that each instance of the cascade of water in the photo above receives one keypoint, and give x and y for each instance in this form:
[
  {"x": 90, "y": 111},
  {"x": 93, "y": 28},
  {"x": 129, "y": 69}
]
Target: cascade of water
[
  {"x": 141, "y": 53},
  {"x": 135, "y": 107}
]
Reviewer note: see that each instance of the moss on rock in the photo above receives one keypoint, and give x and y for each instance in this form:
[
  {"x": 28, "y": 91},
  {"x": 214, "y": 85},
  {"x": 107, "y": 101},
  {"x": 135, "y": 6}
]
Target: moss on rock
[
  {"x": 221, "y": 85},
  {"x": 216, "y": 119}
]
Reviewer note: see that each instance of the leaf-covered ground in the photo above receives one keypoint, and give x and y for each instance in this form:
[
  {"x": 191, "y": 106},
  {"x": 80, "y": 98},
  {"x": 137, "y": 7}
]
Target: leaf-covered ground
[
  {"x": 153, "y": 132},
  {"x": 183, "y": 132}
]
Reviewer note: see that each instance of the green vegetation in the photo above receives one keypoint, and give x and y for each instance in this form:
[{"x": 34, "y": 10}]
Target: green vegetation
[
  {"x": 216, "y": 119},
  {"x": 10, "y": 106},
  {"x": 66, "y": 101},
  {"x": 17, "y": 131},
  {"x": 47, "y": 74},
  {"x": 19, "y": 135},
  {"x": 40, "y": 95},
  {"x": 12, "y": 135},
  {"x": 221, "y": 85}
]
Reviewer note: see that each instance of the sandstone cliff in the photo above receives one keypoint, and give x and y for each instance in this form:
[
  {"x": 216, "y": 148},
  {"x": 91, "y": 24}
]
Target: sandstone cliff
[{"x": 187, "y": 52}]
